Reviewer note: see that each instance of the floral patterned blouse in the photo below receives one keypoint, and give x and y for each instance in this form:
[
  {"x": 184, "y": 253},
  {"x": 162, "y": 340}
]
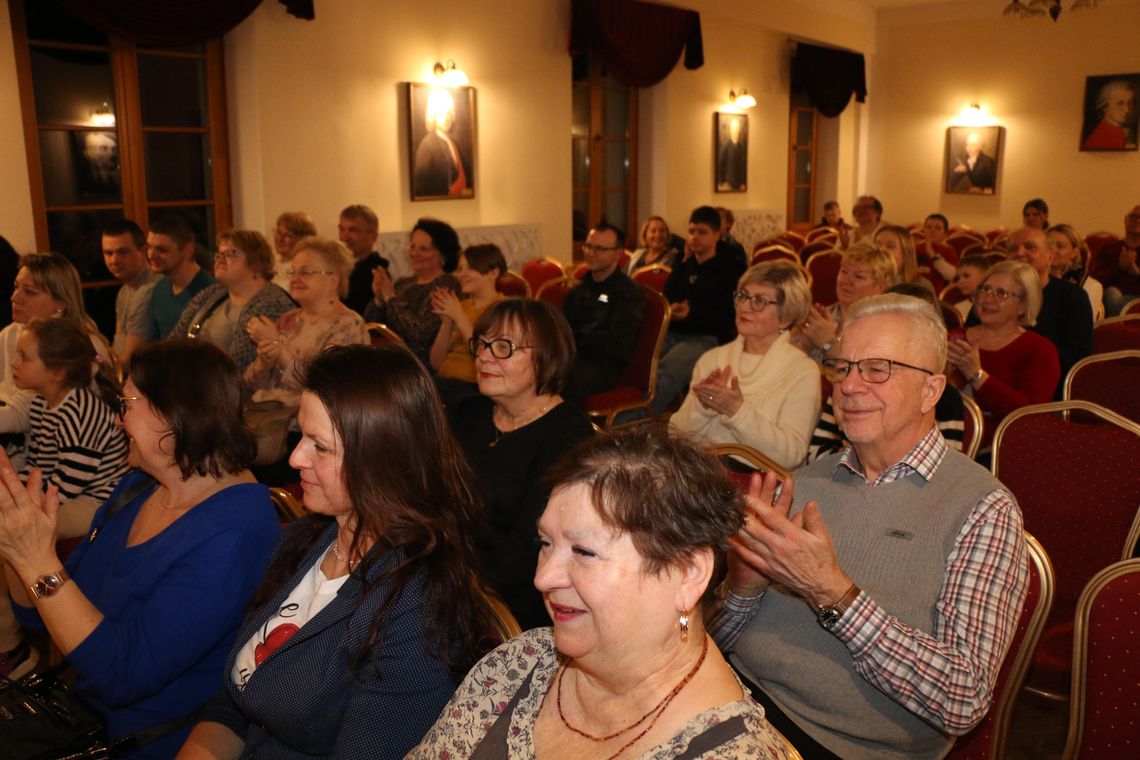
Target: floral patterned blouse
[
  {"x": 488, "y": 689},
  {"x": 304, "y": 337}
]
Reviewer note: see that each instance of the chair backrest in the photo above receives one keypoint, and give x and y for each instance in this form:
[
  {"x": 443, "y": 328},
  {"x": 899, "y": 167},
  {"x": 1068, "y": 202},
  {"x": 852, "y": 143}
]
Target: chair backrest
[
  {"x": 750, "y": 456},
  {"x": 1078, "y": 486},
  {"x": 652, "y": 276},
  {"x": 987, "y": 740},
  {"x": 1105, "y": 703},
  {"x": 554, "y": 291},
  {"x": 998, "y": 233},
  {"x": 823, "y": 244},
  {"x": 1117, "y": 334},
  {"x": 288, "y": 508},
  {"x": 824, "y": 268},
  {"x": 506, "y": 627},
  {"x": 775, "y": 252},
  {"x": 960, "y": 241},
  {"x": 792, "y": 239},
  {"x": 826, "y": 234},
  {"x": 514, "y": 285},
  {"x": 540, "y": 270},
  {"x": 641, "y": 369},
  {"x": 581, "y": 271},
  {"x": 972, "y": 424},
  {"x": 951, "y": 294},
  {"x": 995, "y": 255},
  {"x": 1111, "y": 380},
  {"x": 1130, "y": 308},
  {"x": 1097, "y": 240},
  {"x": 380, "y": 334}
]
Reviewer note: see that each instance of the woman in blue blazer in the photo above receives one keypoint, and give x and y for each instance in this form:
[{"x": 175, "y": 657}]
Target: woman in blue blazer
[{"x": 368, "y": 615}]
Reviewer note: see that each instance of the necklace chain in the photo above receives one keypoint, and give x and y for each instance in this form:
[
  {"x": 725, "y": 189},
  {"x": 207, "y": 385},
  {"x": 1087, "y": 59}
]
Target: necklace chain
[
  {"x": 499, "y": 434},
  {"x": 656, "y": 711},
  {"x": 338, "y": 555}
]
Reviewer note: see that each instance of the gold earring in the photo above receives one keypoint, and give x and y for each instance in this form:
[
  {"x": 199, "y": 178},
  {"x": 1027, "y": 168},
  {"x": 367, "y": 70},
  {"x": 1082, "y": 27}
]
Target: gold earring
[{"x": 684, "y": 627}]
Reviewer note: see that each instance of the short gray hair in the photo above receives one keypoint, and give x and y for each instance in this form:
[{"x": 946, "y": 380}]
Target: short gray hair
[{"x": 929, "y": 327}]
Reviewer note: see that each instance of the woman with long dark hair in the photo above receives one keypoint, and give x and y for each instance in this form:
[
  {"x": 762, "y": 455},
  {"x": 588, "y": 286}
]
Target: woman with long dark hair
[{"x": 368, "y": 615}]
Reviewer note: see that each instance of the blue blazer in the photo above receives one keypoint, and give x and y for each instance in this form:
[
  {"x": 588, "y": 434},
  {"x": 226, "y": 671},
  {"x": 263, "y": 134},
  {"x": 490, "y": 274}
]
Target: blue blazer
[{"x": 306, "y": 700}]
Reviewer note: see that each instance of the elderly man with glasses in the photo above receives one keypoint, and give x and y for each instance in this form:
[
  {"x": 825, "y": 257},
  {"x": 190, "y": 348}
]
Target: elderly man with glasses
[{"x": 872, "y": 601}]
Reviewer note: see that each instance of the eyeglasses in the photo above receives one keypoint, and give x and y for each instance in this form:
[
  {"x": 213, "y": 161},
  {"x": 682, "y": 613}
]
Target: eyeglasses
[
  {"x": 305, "y": 274},
  {"x": 1000, "y": 294},
  {"x": 501, "y": 348},
  {"x": 871, "y": 370},
  {"x": 228, "y": 255},
  {"x": 123, "y": 403},
  {"x": 591, "y": 248},
  {"x": 758, "y": 303}
]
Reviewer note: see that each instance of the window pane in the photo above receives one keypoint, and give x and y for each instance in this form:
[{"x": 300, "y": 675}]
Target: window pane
[
  {"x": 614, "y": 208},
  {"x": 804, "y": 122},
  {"x": 78, "y": 235},
  {"x": 802, "y": 211},
  {"x": 580, "y": 223},
  {"x": 201, "y": 220},
  {"x": 616, "y": 112},
  {"x": 803, "y": 167},
  {"x": 51, "y": 20},
  {"x": 71, "y": 86},
  {"x": 172, "y": 91},
  {"x": 581, "y": 162},
  {"x": 80, "y": 167},
  {"x": 617, "y": 164},
  {"x": 581, "y": 125},
  {"x": 177, "y": 166}
]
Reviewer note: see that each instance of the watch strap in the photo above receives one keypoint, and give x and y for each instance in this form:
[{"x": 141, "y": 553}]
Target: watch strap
[
  {"x": 829, "y": 615},
  {"x": 48, "y": 585}
]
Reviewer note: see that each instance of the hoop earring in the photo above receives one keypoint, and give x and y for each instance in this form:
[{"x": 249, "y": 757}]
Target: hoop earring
[{"x": 684, "y": 627}]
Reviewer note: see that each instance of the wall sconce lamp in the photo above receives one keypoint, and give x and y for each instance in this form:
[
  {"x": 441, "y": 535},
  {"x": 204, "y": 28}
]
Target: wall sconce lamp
[
  {"x": 450, "y": 74},
  {"x": 741, "y": 99},
  {"x": 102, "y": 116}
]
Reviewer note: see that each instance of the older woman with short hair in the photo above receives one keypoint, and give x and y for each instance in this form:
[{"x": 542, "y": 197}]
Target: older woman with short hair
[
  {"x": 1003, "y": 365},
  {"x": 513, "y": 432},
  {"x": 758, "y": 390},
  {"x": 630, "y": 544},
  {"x": 243, "y": 270},
  {"x": 291, "y": 226}
]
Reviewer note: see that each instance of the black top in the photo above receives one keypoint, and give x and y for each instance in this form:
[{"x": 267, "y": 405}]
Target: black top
[
  {"x": 708, "y": 288},
  {"x": 605, "y": 317},
  {"x": 360, "y": 282},
  {"x": 1066, "y": 319},
  {"x": 734, "y": 250},
  {"x": 510, "y": 470}
]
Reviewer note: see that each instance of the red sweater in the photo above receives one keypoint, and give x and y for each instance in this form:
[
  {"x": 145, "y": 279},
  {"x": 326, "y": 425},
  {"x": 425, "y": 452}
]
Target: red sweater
[{"x": 1026, "y": 371}]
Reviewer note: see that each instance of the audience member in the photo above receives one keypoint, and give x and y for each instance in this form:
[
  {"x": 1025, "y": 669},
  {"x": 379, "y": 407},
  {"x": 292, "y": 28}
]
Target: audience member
[
  {"x": 868, "y": 214},
  {"x": 512, "y": 433},
  {"x": 125, "y": 254},
  {"x": 899, "y": 243},
  {"x": 832, "y": 217},
  {"x": 406, "y": 306},
  {"x": 1003, "y": 365},
  {"x": 358, "y": 229},
  {"x": 171, "y": 247},
  {"x": 936, "y": 259},
  {"x": 865, "y": 270},
  {"x": 887, "y": 659},
  {"x": 971, "y": 271},
  {"x": 727, "y": 243},
  {"x": 146, "y": 608},
  {"x": 319, "y": 279},
  {"x": 604, "y": 312},
  {"x": 699, "y": 290},
  {"x": 1035, "y": 214},
  {"x": 1069, "y": 254},
  {"x": 243, "y": 268},
  {"x": 656, "y": 246},
  {"x": 291, "y": 226},
  {"x": 1065, "y": 317},
  {"x": 759, "y": 389},
  {"x": 47, "y": 285},
  {"x": 652, "y": 513},
  {"x": 1117, "y": 268},
  {"x": 368, "y": 615},
  {"x": 480, "y": 267}
]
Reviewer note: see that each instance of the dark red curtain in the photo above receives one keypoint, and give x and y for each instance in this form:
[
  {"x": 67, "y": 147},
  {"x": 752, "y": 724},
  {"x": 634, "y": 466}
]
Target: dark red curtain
[
  {"x": 829, "y": 76},
  {"x": 639, "y": 43},
  {"x": 172, "y": 23}
]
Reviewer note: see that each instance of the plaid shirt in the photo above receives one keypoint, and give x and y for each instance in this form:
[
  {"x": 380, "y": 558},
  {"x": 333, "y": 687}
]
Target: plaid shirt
[{"x": 946, "y": 676}]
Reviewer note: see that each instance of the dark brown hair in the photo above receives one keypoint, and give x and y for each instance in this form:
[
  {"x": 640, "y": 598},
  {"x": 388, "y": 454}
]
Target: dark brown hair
[
  {"x": 485, "y": 257},
  {"x": 63, "y": 345},
  {"x": 543, "y": 328},
  {"x": 669, "y": 495},
  {"x": 411, "y": 490},
  {"x": 196, "y": 388}
]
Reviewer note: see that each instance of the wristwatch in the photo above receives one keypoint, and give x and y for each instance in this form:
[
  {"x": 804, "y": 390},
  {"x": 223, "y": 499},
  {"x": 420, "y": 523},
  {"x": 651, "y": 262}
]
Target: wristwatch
[
  {"x": 829, "y": 616},
  {"x": 47, "y": 585}
]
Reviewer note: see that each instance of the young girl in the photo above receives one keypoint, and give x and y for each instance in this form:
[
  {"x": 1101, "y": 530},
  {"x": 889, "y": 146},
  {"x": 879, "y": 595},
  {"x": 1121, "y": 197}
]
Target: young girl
[{"x": 72, "y": 436}]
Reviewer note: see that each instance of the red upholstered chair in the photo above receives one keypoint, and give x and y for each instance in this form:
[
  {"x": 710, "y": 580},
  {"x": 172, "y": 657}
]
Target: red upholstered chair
[
  {"x": 951, "y": 316},
  {"x": 962, "y": 240},
  {"x": 971, "y": 427},
  {"x": 995, "y": 255},
  {"x": 1117, "y": 334},
  {"x": 792, "y": 239},
  {"x": 1132, "y": 307},
  {"x": 380, "y": 334},
  {"x": 823, "y": 235},
  {"x": 514, "y": 285},
  {"x": 554, "y": 291},
  {"x": 818, "y": 246},
  {"x": 951, "y": 294},
  {"x": 987, "y": 740},
  {"x": 1104, "y": 712},
  {"x": 652, "y": 276},
  {"x": 1111, "y": 380},
  {"x": 740, "y": 453},
  {"x": 638, "y": 380},
  {"x": 540, "y": 270},
  {"x": 996, "y": 234},
  {"x": 1098, "y": 240},
  {"x": 1078, "y": 487},
  {"x": 823, "y": 268},
  {"x": 581, "y": 271},
  {"x": 773, "y": 252},
  {"x": 288, "y": 507}
]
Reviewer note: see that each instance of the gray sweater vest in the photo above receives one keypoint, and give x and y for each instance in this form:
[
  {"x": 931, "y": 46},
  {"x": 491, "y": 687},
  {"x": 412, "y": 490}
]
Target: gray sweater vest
[{"x": 894, "y": 540}]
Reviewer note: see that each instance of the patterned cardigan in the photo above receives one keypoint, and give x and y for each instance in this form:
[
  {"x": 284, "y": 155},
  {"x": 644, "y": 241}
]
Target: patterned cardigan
[{"x": 271, "y": 301}]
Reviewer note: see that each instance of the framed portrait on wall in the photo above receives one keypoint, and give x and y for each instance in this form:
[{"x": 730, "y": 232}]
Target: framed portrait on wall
[
  {"x": 441, "y": 141},
  {"x": 972, "y": 155},
  {"x": 730, "y": 164},
  {"x": 1110, "y": 116}
]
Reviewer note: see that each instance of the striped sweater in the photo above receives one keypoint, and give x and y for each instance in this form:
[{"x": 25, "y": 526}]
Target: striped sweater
[{"x": 77, "y": 445}]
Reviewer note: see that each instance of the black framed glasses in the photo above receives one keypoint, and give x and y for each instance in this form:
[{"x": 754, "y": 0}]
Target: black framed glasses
[
  {"x": 501, "y": 348},
  {"x": 123, "y": 403},
  {"x": 756, "y": 303},
  {"x": 229, "y": 255},
  {"x": 591, "y": 248},
  {"x": 305, "y": 274},
  {"x": 871, "y": 370}
]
